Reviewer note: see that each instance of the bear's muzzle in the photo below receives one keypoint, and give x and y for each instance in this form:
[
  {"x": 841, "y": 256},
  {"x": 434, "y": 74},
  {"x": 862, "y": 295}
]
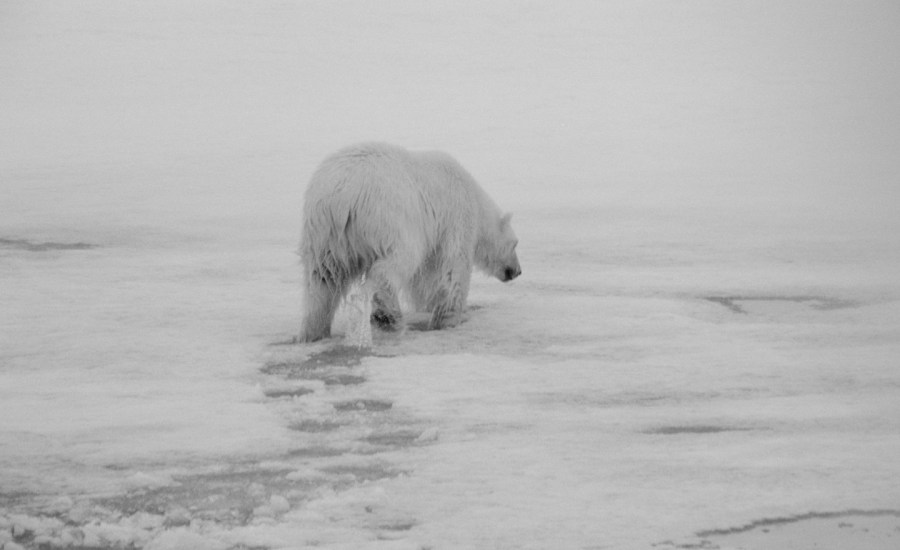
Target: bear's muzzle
[{"x": 511, "y": 273}]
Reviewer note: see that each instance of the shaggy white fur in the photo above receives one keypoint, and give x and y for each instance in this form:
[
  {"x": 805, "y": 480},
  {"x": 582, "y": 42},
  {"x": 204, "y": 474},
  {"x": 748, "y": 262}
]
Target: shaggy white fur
[{"x": 413, "y": 222}]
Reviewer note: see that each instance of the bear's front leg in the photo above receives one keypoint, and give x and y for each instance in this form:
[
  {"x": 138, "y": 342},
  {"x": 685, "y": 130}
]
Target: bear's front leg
[{"x": 450, "y": 298}]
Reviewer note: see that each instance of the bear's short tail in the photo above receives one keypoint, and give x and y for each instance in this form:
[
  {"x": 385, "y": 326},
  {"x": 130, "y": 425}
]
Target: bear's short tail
[{"x": 330, "y": 255}]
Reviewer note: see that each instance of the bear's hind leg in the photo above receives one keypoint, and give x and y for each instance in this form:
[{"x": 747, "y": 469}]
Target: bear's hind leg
[
  {"x": 321, "y": 303},
  {"x": 385, "y": 279},
  {"x": 386, "y": 313}
]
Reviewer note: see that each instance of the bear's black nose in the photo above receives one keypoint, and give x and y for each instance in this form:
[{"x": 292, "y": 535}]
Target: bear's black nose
[{"x": 511, "y": 273}]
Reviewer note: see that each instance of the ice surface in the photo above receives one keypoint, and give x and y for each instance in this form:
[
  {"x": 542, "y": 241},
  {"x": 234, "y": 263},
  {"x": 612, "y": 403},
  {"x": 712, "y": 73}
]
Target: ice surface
[{"x": 705, "y": 336}]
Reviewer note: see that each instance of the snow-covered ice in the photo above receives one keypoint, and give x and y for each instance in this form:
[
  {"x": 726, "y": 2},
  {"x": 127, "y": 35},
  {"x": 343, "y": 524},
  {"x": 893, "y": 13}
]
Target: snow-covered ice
[{"x": 704, "y": 343}]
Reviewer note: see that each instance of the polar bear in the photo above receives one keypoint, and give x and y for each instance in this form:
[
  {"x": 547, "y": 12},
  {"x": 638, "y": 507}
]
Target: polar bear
[{"x": 401, "y": 221}]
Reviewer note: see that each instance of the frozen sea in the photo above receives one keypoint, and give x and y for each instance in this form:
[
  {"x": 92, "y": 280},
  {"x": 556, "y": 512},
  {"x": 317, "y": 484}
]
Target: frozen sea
[{"x": 703, "y": 350}]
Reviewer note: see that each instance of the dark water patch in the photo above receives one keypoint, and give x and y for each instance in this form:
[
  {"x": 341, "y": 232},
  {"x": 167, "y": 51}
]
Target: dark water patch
[
  {"x": 315, "y": 426},
  {"x": 32, "y": 246},
  {"x": 343, "y": 380},
  {"x": 727, "y": 302},
  {"x": 327, "y": 376},
  {"x": 316, "y": 452},
  {"x": 399, "y": 526},
  {"x": 770, "y": 522},
  {"x": 821, "y": 303},
  {"x": 699, "y": 429},
  {"x": 365, "y": 472},
  {"x": 283, "y": 368},
  {"x": 615, "y": 400},
  {"x": 702, "y": 545},
  {"x": 287, "y": 342},
  {"x": 287, "y": 392},
  {"x": 341, "y": 356},
  {"x": 14, "y": 498},
  {"x": 401, "y": 438},
  {"x": 419, "y": 326},
  {"x": 371, "y": 405},
  {"x": 830, "y": 304}
]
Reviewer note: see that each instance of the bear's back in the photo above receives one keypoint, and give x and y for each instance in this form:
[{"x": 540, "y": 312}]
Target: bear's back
[
  {"x": 388, "y": 190},
  {"x": 391, "y": 173}
]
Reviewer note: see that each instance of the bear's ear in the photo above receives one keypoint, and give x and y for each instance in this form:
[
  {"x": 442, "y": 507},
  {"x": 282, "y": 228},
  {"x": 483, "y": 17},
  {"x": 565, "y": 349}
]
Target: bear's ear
[{"x": 504, "y": 221}]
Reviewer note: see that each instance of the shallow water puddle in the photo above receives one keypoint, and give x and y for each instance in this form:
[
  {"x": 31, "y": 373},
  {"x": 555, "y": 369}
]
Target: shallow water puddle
[
  {"x": 35, "y": 246},
  {"x": 700, "y": 429},
  {"x": 869, "y": 529},
  {"x": 276, "y": 393},
  {"x": 773, "y": 304},
  {"x": 339, "y": 356}
]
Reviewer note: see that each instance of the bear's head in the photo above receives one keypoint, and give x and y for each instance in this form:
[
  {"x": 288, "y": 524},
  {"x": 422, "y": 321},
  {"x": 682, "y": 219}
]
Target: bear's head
[{"x": 497, "y": 256}]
